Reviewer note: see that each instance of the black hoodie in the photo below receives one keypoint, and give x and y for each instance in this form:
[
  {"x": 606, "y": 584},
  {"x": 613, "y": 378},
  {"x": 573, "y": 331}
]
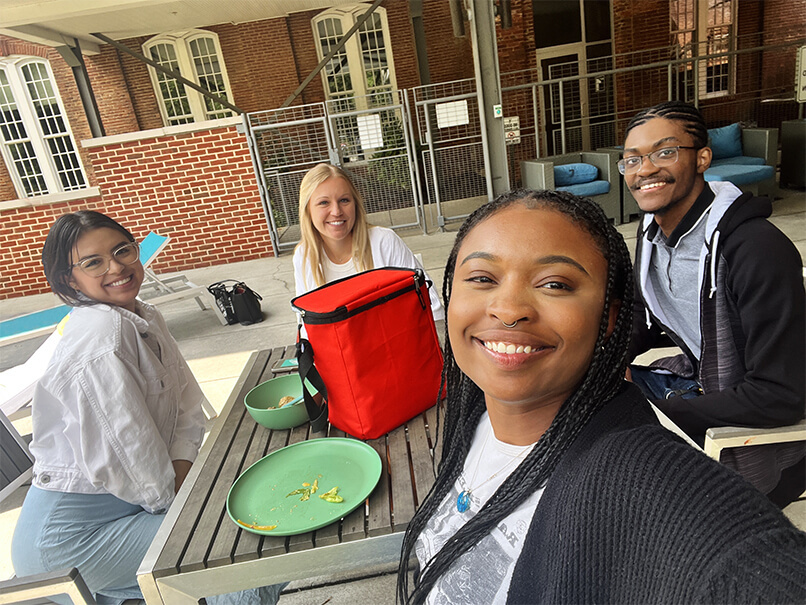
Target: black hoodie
[{"x": 753, "y": 332}]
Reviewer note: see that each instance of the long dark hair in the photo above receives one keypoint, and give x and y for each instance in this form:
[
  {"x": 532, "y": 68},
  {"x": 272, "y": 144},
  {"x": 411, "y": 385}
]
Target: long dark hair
[
  {"x": 57, "y": 253},
  {"x": 465, "y": 402}
]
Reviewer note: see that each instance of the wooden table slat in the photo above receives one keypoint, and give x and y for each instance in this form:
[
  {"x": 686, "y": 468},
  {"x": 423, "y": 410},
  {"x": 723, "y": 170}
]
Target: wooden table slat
[
  {"x": 214, "y": 514},
  {"x": 420, "y": 458},
  {"x": 185, "y": 524},
  {"x": 402, "y": 485},
  {"x": 214, "y": 517},
  {"x": 221, "y": 550},
  {"x": 379, "y": 521}
]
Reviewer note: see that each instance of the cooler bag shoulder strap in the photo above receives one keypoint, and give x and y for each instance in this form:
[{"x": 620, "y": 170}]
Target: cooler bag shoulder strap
[{"x": 307, "y": 371}]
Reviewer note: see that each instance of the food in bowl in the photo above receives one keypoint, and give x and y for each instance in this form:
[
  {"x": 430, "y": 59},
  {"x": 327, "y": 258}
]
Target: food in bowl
[{"x": 265, "y": 400}]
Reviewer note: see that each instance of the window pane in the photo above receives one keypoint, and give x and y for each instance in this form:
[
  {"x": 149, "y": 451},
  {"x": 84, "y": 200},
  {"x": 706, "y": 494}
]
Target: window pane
[
  {"x": 373, "y": 54},
  {"x": 15, "y": 138},
  {"x": 174, "y": 96},
  {"x": 597, "y": 20},
  {"x": 556, "y": 22},
  {"x": 54, "y": 130},
  {"x": 337, "y": 70},
  {"x": 210, "y": 75}
]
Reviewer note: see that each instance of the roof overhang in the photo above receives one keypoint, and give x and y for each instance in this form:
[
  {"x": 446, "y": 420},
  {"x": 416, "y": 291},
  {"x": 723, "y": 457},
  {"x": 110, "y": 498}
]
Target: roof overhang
[{"x": 61, "y": 22}]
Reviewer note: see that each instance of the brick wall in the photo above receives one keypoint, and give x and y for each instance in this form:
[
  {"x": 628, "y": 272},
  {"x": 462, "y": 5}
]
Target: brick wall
[
  {"x": 198, "y": 188},
  {"x": 449, "y": 58}
]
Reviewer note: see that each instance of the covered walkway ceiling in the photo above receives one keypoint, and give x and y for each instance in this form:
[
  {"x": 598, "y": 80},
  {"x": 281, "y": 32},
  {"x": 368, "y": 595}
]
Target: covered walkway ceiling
[{"x": 58, "y": 22}]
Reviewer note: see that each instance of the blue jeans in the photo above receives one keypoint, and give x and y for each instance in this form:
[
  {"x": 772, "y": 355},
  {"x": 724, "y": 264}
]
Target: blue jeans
[
  {"x": 104, "y": 537},
  {"x": 658, "y": 385}
]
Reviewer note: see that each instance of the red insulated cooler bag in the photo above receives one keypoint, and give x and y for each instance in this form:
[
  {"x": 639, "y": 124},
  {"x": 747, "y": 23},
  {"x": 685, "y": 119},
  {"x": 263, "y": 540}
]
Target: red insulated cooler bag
[{"x": 371, "y": 351}]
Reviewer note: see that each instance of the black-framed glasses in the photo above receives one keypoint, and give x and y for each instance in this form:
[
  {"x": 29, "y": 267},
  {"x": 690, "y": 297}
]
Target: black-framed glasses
[
  {"x": 98, "y": 265},
  {"x": 661, "y": 157}
]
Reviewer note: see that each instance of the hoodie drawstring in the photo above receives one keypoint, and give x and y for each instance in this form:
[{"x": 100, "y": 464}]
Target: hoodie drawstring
[{"x": 714, "y": 247}]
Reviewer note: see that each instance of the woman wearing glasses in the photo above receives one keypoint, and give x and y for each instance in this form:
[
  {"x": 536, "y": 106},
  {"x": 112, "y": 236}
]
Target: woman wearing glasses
[{"x": 117, "y": 418}]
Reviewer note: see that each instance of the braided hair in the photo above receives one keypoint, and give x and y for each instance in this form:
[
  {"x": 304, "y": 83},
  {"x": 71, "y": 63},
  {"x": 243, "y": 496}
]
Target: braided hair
[
  {"x": 466, "y": 404},
  {"x": 677, "y": 111}
]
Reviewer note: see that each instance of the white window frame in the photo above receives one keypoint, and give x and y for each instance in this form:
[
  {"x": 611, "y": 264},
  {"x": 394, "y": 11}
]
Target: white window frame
[
  {"x": 36, "y": 136},
  {"x": 181, "y": 41},
  {"x": 348, "y": 15},
  {"x": 694, "y": 40},
  {"x": 704, "y": 32}
]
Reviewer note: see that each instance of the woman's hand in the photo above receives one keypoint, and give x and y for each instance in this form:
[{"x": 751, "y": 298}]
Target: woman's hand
[{"x": 181, "y": 470}]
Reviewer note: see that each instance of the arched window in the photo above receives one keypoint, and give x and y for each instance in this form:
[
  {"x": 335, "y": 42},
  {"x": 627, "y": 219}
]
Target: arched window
[
  {"x": 364, "y": 65},
  {"x": 38, "y": 147},
  {"x": 196, "y": 55}
]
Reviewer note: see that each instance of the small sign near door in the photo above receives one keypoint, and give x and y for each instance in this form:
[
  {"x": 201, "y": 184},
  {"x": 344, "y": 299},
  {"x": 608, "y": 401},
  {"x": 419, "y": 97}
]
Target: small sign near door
[{"x": 512, "y": 130}]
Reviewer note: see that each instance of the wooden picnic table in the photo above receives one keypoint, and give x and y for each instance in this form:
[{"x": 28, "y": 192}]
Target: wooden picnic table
[{"x": 199, "y": 552}]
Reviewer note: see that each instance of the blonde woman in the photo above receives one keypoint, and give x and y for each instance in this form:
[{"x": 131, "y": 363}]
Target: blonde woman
[{"x": 336, "y": 239}]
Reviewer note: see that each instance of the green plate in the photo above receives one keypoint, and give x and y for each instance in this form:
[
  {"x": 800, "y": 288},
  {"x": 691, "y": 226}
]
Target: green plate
[{"x": 259, "y": 495}]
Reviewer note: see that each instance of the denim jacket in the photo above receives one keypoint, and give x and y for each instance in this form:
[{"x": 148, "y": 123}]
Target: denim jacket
[{"x": 111, "y": 412}]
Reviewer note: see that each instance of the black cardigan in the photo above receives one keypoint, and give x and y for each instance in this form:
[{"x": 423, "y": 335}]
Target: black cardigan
[{"x": 634, "y": 515}]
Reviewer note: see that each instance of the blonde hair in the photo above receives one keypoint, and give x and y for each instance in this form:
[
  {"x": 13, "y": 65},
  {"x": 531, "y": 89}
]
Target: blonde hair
[{"x": 311, "y": 239}]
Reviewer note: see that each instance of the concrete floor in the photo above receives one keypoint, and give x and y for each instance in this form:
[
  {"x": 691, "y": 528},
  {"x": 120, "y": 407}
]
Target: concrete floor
[{"x": 217, "y": 354}]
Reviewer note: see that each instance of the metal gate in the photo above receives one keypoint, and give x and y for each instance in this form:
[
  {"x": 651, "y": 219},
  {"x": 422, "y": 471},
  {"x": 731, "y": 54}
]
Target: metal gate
[
  {"x": 370, "y": 137},
  {"x": 452, "y": 150}
]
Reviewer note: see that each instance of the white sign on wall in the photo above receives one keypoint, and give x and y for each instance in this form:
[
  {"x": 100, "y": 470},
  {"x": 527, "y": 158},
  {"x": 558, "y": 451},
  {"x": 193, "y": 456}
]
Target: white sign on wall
[
  {"x": 452, "y": 113},
  {"x": 800, "y": 76},
  {"x": 512, "y": 130},
  {"x": 369, "y": 131}
]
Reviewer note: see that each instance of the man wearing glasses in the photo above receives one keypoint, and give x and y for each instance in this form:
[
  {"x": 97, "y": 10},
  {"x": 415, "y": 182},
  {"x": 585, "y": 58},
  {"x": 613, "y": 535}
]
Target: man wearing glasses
[{"x": 726, "y": 286}]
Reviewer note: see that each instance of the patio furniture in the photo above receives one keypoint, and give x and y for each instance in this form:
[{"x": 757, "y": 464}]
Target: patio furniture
[
  {"x": 16, "y": 462},
  {"x": 37, "y": 588},
  {"x": 199, "y": 551},
  {"x": 629, "y": 207},
  {"x": 161, "y": 290},
  {"x": 717, "y": 439},
  {"x": 744, "y": 156},
  {"x": 590, "y": 174}
]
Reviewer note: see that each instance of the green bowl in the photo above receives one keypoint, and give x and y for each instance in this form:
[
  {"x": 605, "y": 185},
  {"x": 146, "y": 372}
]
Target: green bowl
[{"x": 262, "y": 402}]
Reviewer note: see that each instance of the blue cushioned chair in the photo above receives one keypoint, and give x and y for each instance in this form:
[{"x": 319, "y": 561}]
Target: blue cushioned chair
[
  {"x": 744, "y": 156},
  {"x": 589, "y": 174}
]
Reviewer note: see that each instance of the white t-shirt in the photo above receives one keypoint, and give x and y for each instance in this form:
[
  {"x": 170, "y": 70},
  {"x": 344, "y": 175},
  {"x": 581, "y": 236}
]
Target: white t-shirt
[
  {"x": 483, "y": 574},
  {"x": 388, "y": 250}
]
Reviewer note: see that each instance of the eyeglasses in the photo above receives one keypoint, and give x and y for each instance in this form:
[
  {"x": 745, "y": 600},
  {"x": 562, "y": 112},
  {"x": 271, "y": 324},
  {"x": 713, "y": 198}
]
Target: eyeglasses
[
  {"x": 96, "y": 266},
  {"x": 662, "y": 157}
]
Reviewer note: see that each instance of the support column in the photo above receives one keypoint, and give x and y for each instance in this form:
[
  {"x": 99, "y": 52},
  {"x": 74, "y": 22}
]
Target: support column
[
  {"x": 416, "y": 13},
  {"x": 488, "y": 86},
  {"x": 73, "y": 57}
]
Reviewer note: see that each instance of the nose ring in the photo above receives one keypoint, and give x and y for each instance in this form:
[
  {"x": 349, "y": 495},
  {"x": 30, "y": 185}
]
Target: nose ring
[{"x": 512, "y": 325}]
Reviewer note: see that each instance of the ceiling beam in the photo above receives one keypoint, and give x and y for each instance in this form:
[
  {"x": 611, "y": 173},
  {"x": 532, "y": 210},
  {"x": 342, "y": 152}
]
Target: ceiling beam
[
  {"x": 169, "y": 72},
  {"x": 49, "y": 37}
]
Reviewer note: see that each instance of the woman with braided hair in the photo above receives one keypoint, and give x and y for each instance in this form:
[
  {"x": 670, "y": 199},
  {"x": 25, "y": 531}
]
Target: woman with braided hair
[{"x": 556, "y": 483}]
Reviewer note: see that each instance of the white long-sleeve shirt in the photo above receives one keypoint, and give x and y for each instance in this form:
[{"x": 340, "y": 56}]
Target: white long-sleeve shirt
[
  {"x": 388, "y": 250},
  {"x": 117, "y": 404}
]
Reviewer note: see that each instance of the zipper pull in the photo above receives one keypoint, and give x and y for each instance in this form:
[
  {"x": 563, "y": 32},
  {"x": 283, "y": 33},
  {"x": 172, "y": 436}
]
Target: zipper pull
[{"x": 418, "y": 279}]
